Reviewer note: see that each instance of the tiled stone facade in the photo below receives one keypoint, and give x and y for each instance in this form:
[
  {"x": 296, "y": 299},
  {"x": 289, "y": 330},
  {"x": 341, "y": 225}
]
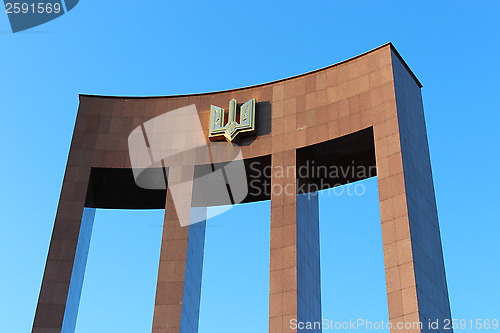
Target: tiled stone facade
[{"x": 373, "y": 91}]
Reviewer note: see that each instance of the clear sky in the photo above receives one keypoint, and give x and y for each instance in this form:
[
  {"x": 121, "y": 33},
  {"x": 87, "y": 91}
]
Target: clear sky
[{"x": 151, "y": 47}]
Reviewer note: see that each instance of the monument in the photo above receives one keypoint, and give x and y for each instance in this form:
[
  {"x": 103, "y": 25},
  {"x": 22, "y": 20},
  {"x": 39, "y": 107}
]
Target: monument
[{"x": 365, "y": 112}]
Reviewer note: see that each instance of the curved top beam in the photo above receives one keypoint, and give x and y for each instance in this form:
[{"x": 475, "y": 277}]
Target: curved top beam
[{"x": 389, "y": 44}]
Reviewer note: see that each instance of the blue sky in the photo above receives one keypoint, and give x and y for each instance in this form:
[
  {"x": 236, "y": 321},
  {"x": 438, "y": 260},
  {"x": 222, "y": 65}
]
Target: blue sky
[{"x": 163, "y": 47}]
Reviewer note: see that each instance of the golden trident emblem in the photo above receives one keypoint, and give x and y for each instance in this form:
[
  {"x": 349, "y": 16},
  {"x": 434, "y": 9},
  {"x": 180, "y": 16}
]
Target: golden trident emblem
[{"x": 218, "y": 127}]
